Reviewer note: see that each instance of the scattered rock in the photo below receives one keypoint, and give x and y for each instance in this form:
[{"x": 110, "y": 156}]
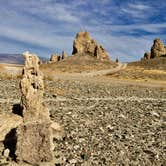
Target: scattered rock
[
  {"x": 85, "y": 45},
  {"x": 57, "y": 58},
  {"x": 6, "y": 153}
]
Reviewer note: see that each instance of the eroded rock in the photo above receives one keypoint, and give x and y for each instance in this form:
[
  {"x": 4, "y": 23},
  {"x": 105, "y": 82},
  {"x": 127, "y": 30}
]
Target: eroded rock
[
  {"x": 147, "y": 55},
  {"x": 7, "y": 123},
  {"x": 64, "y": 55},
  {"x": 32, "y": 89},
  {"x": 85, "y": 45},
  {"x": 158, "y": 49},
  {"x": 34, "y": 136},
  {"x": 34, "y": 143}
]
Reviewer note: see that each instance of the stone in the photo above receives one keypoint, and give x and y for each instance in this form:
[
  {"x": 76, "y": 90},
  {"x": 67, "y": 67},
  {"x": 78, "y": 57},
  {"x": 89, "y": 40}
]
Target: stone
[
  {"x": 34, "y": 136},
  {"x": 34, "y": 143},
  {"x": 7, "y": 123},
  {"x": 158, "y": 49},
  {"x": 64, "y": 55},
  {"x": 147, "y": 55},
  {"x": 54, "y": 58},
  {"x": 6, "y": 153},
  {"x": 32, "y": 89},
  {"x": 85, "y": 45},
  {"x": 57, "y": 131}
]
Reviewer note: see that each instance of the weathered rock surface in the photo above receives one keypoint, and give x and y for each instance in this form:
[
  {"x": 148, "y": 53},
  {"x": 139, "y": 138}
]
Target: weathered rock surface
[
  {"x": 147, "y": 55},
  {"x": 34, "y": 143},
  {"x": 54, "y": 58},
  {"x": 32, "y": 88},
  {"x": 85, "y": 45},
  {"x": 157, "y": 50},
  {"x": 64, "y": 55},
  {"x": 34, "y": 136},
  {"x": 57, "y": 58},
  {"x": 7, "y": 123}
]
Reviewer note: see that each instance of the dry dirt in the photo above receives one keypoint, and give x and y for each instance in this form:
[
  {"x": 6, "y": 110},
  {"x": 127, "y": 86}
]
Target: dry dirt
[
  {"x": 144, "y": 71},
  {"x": 106, "y": 121}
]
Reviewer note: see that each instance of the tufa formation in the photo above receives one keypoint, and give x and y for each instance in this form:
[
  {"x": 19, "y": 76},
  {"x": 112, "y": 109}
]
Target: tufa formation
[
  {"x": 57, "y": 58},
  {"x": 157, "y": 50},
  {"x": 34, "y": 136},
  {"x": 27, "y": 133},
  {"x": 85, "y": 45}
]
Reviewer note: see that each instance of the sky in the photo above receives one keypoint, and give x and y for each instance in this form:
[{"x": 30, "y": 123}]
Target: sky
[{"x": 125, "y": 28}]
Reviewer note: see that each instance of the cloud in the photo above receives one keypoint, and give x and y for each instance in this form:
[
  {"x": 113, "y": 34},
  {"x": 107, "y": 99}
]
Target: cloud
[
  {"x": 138, "y": 10},
  {"x": 125, "y": 28}
]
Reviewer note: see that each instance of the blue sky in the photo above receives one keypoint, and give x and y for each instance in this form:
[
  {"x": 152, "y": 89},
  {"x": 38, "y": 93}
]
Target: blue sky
[{"x": 125, "y": 28}]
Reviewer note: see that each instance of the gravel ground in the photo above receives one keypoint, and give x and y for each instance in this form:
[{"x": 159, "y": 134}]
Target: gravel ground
[{"x": 105, "y": 123}]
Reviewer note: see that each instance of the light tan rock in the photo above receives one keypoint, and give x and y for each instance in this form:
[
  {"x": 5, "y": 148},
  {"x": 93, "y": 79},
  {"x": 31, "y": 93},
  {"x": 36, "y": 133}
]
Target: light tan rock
[
  {"x": 54, "y": 58},
  {"x": 6, "y": 153},
  {"x": 64, "y": 55},
  {"x": 158, "y": 49},
  {"x": 57, "y": 131},
  {"x": 34, "y": 143},
  {"x": 85, "y": 45},
  {"x": 147, "y": 55},
  {"x": 34, "y": 136},
  {"x": 32, "y": 89},
  {"x": 7, "y": 123}
]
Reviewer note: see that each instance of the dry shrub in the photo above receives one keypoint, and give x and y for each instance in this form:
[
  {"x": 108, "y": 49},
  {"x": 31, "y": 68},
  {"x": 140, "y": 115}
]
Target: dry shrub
[{"x": 6, "y": 76}]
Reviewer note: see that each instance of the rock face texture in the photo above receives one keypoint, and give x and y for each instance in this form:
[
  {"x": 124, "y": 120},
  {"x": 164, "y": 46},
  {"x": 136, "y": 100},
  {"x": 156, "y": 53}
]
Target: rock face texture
[
  {"x": 85, "y": 45},
  {"x": 34, "y": 136},
  {"x": 147, "y": 55},
  {"x": 64, "y": 55},
  {"x": 32, "y": 89},
  {"x": 7, "y": 123},
  {"x": 57, "y": 58},
  {"x": 34, "y": 143},
  {"x": 157, "y": 50},
  {"x": 54, "y": 58}
]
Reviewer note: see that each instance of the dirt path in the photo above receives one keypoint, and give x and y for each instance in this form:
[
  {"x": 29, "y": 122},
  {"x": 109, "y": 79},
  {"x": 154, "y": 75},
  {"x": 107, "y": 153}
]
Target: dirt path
[{"x": 93, "y": 73}]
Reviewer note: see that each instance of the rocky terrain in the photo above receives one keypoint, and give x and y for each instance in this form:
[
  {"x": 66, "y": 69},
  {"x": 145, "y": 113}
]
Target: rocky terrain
[{"x": 106, "y": 122}]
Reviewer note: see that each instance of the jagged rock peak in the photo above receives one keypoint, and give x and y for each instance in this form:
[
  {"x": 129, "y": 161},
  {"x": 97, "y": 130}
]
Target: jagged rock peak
[
  {"x": 85, "y": 45},
  {"x": 158, "y": 49}
]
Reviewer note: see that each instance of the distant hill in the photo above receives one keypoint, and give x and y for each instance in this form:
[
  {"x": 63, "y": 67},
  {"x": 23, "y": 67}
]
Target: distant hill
[
  {"x": 14, "y": 58},
  {"x": 11, "y": 58},
  {"x": 78, "y": 64}
]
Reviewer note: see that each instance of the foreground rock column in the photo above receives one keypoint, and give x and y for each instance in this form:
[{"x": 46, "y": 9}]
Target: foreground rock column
[{"x": 34, "y": 136}]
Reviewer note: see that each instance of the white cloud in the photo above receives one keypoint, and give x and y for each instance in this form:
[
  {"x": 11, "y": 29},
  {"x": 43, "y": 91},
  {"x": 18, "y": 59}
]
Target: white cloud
[
  {"x": 19, "y": 25},
  {"x": 137, "y": 10}
]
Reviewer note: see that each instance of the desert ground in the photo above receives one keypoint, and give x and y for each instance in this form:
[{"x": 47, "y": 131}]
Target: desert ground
[{"x": 112, "y": 119}]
